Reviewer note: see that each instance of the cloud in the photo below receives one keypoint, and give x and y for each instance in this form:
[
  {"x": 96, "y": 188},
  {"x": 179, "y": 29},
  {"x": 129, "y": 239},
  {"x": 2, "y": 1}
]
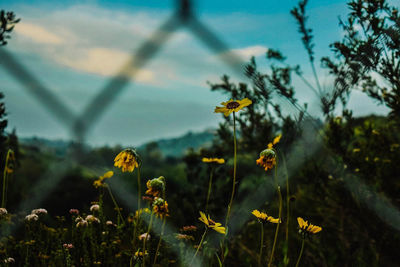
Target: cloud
[
  {"x": 38, "y": 34},
  {"x": 103, "y": 61},
  {"x": 247, "y": 52}
]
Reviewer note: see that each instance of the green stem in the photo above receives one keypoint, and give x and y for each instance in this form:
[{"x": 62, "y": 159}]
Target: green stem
[
  {"x": 3, "y": 200},
  {"x": 139, "y": 187},
  {"x": 159, "y": 241},
  {"x": 234, "y": 171},
  {"x": 287, "y": 207},
  {"x": 198, "y": 247},
  {"x": 301, "y": 253},
  {"x": 116, "y": 205},
  {"x": 145, "y": 238},
  {"x": 261, "y": 244},
  {"x": 209, "y": 188},
  {"x": 233, "y": 186},
  {"x": 280, "y": 215},
  {"x": 138, "y": 209}
]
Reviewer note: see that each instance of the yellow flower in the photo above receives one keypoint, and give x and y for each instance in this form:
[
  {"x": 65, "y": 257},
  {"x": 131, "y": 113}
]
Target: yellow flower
[
  {"x": 355, "y": 150},
  {"x": 306, "y": 228},
  {"x": 160, "y": 207},
  {"x": 127, "y": 160},
  {"x": 141, "y": 211},
  {"x": 276, "y": 140},
  {"x": 155, "y": 186},
  {"x": 211, "y": 224},
  {"x": 259, "y": 215},
  {"x": 263, "y": 217},
  {"x": 232, "y": 106},
  {"x": 139, "y": 254},
  {"x": 267, "y": 158},
  {"x": 100, "y": 182},
  {"x": 213, "y": 160},
  {"x": 107, "y": 175}
]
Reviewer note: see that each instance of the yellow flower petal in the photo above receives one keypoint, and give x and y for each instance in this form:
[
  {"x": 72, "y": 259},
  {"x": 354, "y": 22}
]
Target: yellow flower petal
[
  {"x": 203, "y": 218},
  {"x": 277, "y": 139},
  {"x": 108, "y": 174}
]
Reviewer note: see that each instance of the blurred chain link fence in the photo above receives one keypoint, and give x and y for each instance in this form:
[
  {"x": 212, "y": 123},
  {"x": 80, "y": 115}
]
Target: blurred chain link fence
[{"x": 80, "y": 124}]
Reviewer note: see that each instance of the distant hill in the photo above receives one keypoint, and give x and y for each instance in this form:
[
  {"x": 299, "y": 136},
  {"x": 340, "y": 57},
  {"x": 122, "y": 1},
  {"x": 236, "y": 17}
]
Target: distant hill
[
  {"x": 177, "y": 146},
  {"x": 55, "y": 147},
  {"x": 168, "y": 146}
]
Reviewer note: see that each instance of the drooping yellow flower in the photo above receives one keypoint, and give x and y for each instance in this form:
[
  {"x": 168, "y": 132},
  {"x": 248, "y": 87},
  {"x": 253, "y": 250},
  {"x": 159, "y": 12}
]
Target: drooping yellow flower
[
  {"x": 155, "y": 186},
  {"x": 213, "y": 160},
  {"x": 306, "y": 228},
  {"x": 263, "y": 217},
  {"x": 160, "y": 207},
  {"x": 100, "y": 182},
  {"x": 267, "y": 159},
  {"x": 127, "y": 160},
  {"x": 211, "y": 224},
  {"x": 232, "y": 106}
]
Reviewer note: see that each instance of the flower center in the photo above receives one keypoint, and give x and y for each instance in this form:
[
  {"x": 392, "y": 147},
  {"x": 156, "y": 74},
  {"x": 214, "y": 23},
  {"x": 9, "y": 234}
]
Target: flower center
[{"x": 232, "y": 105}]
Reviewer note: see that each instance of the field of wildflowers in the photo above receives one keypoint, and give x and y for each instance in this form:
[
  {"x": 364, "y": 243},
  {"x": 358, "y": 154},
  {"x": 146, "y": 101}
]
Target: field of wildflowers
[{"x": 274, "y": 189}]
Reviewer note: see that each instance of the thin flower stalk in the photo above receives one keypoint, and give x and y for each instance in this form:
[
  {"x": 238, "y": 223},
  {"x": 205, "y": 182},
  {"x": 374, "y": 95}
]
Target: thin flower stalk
[
  {"x": 159, "y": 241},
  {"x": 234, "y": 171},
  {"x": 137, "y": 223},
  {"x": 147, "y": 234},
  {"x": 261, "y": 244},
  {"x": 301, "y": 253},
  {"x": 280, "y": 216},
  {"x": 209, "y": 187},
  {"x": 287, "y": 208},
  {"x": 6, "y": 171},
  {"x": 198, "y": 247},
  {"x": 233, "y": 188},
  {"x": 116, "y": 206}
]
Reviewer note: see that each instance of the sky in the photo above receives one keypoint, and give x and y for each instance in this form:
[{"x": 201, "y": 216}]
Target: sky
[{"x": 75, "y": 48}]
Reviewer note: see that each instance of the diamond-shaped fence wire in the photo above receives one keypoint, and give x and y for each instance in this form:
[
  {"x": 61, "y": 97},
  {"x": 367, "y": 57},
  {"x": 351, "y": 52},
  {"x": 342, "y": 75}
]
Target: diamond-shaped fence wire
[{"x": 80, "y": 124}]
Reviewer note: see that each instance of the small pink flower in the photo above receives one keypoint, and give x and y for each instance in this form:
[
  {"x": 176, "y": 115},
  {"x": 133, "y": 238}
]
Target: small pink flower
[
  {"x": 9, "y": 260},
  {"x": 94, "y": 207},
  {"x": 143, "y": 236},
  {"x": 3, "y": 211},
  {"x": 68, "y": 246},
  {"x": 39, "y": 211},
  {"x": 82, "y": 223},
  {"x": 31, "y": 217},
  {"x": 73, "y": 211},
  {"x": 91, "y": 218}
]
